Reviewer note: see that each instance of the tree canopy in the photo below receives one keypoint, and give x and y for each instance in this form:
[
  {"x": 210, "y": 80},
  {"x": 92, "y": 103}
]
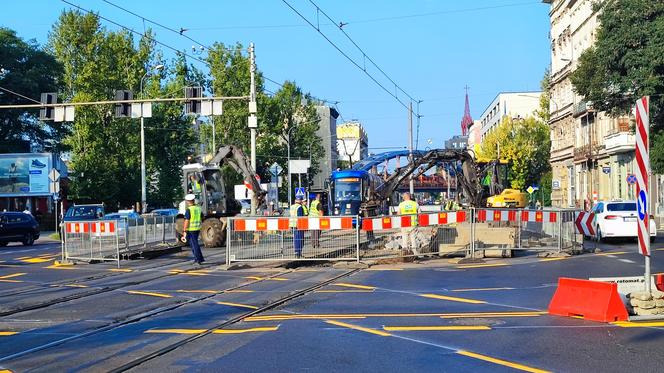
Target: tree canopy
[
  {"x": 525, "y": 144},
  {"x": 28, "y": 71},
  {"x": 627, "y": 62}
]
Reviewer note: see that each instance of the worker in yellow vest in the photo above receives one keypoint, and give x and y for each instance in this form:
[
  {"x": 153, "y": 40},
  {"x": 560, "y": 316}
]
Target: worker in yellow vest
[
  {"x": 315, "y": 211},
  {"x": 411, "y": 208},
  {"x": 193, "y": 218},
  {"x": 297, "y": 210}
]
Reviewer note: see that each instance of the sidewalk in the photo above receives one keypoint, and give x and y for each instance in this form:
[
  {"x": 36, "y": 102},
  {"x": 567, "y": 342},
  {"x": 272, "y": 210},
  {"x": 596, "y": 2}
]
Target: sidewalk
[{"x": 45, "y": 237}]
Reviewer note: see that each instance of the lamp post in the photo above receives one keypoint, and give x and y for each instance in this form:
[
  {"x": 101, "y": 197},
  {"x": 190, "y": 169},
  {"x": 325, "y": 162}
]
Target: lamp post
[
  {"x": 143, "y": 188},
  {"x": 288, "y": 133}
]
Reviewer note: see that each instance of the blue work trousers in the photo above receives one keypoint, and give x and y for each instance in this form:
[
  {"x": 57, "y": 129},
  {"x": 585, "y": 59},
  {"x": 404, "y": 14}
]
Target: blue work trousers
[
  {"x": 192, "y": 238},
  {"x": 298, "y": 241}
]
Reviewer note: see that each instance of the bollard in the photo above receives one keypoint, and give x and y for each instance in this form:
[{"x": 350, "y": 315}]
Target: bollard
[
  {"x": 228, "y": 242},
  {"x": 357, "y": 237}
]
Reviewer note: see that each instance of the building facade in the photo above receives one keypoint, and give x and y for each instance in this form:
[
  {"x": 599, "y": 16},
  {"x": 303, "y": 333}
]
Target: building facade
[
  {"x": 352, "y": 142},
  {"x": 457, "y": 142},
  {"x": 474, "y": 135},
  {"x": 327, "y": 133},
  {"x": 508, "y": 104},
  {"x": 592, "y": 154}
]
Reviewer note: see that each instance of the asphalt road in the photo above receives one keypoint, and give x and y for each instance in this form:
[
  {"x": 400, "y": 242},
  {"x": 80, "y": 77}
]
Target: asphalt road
[{"x": 165, "y": 314}]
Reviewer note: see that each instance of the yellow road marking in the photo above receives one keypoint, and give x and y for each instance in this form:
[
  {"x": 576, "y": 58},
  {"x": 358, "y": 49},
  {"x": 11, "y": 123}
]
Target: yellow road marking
[
  {"x": 435, "y": 328},
  {"x": 198, "y": 291},
  {"x": 483, "y": 289},
  {"x": 121, "y": 270},
  {"x": 5, "y": 371},
  {"x": 12, "y": 275},
  {"x": 453, "y": 299},
  {"x": 384, "y": 269},
  {"x": 24, "y": 257},
  {"x": 344, "y": 291},
  {"x": 238, "y": 291},
  {"x": 300, "y": 317},
  {"x": 552, "y": 259},
  {"x": 238, "y": 305},
  {"x": 13, "y": 281},
  {"x": 631, "y": 324},
  {"x": 616, "y": 253},
  {"x": 355, "y": 286},
  {"x": 137, "y": 292},
  {"x": 48, "y": 255},
  {"x": 360, "y": 328},
  {"x": 70, "y": 286},
  {"x": 57, "y": 266},
  {"x": 266, "y": 278},
  {"x": 176, "y": 331},
  {"x": 35, "y": 260},
  {"x": 481, "y": 265},
  {"x": 6, "y": 334},
  {"x": 500, "y": 362},
  {"x": 250, "y": 330},
  {"x": 493, "y": 314},
  {"x": 192, "y": 273}
]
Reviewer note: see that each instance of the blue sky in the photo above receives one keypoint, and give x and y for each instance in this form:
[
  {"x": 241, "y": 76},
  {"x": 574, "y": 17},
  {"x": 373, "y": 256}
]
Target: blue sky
[{"x": 431, "y": 49}]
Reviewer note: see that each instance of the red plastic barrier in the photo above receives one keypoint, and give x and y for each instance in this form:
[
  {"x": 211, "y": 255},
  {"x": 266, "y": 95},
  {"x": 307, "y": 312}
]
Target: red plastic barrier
[
  {"x": 659, "y": 281},
  {"x": 594, "y": 300}
]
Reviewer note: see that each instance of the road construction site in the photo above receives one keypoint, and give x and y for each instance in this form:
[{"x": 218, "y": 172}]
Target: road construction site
[{"x": 430, "y": 314}]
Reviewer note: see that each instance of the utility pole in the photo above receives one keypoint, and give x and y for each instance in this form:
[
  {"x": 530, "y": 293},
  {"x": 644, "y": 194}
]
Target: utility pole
[
  {"x": 410, "y": 144},
  {"x": 253, "y": 121}
]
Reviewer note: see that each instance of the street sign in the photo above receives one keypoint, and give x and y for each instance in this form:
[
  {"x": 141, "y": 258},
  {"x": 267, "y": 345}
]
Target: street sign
[
  {"x": 532, "y": 189},
  {"x": 54, "y": 175},
  {"x": 298, "y": 166},
  {"x": 631, "y": 179},
  {"x": 54, "y": 187},
  {"x": 583, "y": 223},
  {"x": 642, "y": 174},
  {"x": 555, "y": 184},
  {"x": 606, "y": 170},
  {"x": 275, "y": 169},
  {"x": 299, "y": 192}
]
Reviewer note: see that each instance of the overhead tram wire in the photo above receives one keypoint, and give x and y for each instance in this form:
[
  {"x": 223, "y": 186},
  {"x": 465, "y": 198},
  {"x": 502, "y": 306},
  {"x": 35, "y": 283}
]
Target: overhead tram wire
[
  {"x": 364, "y": 55},
  {"x": 20, "y": 95},
  {"x": 345, "y": 55}
]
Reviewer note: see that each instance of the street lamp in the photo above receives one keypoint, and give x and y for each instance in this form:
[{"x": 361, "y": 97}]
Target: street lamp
[
  {"x": 143, "y": 188},
  {"x": 288, "y": 133}
]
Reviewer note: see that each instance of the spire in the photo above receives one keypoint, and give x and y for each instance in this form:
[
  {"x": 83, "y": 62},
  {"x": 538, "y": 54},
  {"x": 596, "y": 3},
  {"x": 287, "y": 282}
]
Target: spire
[{"x": 467, "y": 120}]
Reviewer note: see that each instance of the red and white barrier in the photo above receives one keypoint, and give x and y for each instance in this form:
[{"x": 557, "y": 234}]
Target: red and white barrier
[
  {"x": 583, "y": 223},
  {"x": 442, "y": 218},
  {"x": 423, "y": 220},
  {"x": 534, "y": 216},
  {"x": 496, "y": 215},
  {"x": 107, "y": 227},
  {"x": 539, "y": 216},
  {"x": 283, "y": 224},
  {"x": 77, "y": 227}
]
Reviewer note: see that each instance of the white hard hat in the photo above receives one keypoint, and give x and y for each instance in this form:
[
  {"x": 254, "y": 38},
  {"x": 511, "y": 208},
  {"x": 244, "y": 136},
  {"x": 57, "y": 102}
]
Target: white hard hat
[{"x": 189, "y": 197}]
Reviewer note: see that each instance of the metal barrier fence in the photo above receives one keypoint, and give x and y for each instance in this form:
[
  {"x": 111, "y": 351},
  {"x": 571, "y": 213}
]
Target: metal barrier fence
[
  {"x": 276, "y": 239},
  {"x": 471, "y": 232},
  {"x": 110, "y": 240}
]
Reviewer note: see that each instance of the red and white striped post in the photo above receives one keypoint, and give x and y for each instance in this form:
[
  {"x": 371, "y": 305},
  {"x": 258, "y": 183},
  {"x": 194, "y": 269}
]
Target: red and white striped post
[{"x": 642, "y": 177}]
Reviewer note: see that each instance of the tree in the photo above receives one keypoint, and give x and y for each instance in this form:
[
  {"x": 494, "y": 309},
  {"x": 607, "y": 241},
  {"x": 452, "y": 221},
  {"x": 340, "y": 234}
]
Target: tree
[
  {"x": 525, "y": 144},
  {"x": 627, "y": 62},
  {"x": 28, "y": 71}
]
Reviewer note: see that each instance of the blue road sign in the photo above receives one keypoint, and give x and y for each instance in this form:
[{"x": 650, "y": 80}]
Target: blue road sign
[
  {"x": 299, "y": 192},
  {"x": 631, "y": 179},
  {"x": 642, "y": 203}
]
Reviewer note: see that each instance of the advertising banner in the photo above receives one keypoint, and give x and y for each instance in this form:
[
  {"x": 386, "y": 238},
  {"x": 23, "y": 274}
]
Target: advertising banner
[{"x": 24, "y": 174}]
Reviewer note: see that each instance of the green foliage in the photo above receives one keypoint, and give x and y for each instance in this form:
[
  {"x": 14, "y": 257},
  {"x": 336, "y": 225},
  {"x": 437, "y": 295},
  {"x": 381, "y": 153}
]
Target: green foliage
[
  {"x": 627, "y": 62},
  {"x": 525, "y": 144},
  {"x": 105, "y": 161},
  {"x": 29, "y": 71},
  {"x": 545, "y": 187}
]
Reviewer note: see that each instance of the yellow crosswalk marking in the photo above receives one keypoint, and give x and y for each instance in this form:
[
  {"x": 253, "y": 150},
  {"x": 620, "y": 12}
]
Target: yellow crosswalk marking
[
  {"x": 160, "y": 295},
  {"x": 250, "y": 330},
  {"x": 355, "y": 286},
  {"x": 500, "y": 362},
  {"x": 238, "y": 305},
  {"x": 360, "y": 328},
  {"x": 452, "y": 299},
  {"x": 435, "y": 328}
]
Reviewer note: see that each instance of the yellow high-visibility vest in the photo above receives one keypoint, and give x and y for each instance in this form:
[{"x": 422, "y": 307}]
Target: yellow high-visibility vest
[
  {"x": 293, "y": 213},
  {"x": 409, "y": 208},
  {"x": 194, "y": 218},
  {"x": 313, "y": 210}
]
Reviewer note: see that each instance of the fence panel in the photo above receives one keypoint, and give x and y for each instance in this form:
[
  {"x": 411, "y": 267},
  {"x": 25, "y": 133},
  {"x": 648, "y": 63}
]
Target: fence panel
[
  {"x": 88, "y": 241},
  {"x": 441, "y": 233},
  {"x": 278, "y": 238}
]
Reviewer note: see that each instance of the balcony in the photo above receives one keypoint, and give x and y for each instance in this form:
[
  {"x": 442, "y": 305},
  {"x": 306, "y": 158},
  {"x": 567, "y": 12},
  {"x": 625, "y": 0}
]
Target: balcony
[
  {"x": 619, "y": 142},
  {"x": 582, "y": 108}
]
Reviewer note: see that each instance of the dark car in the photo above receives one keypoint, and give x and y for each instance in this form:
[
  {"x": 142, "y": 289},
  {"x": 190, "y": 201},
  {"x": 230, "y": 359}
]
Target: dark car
[
  {"x": 18, "y": 227},
  {"x": 84, "y": 212}
]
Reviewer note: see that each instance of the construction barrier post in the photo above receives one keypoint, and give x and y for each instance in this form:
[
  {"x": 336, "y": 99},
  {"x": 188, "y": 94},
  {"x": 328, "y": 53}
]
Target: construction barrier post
[
  {"x": 357, "y": 237},
  {"x": 228, "y": 241},
  {"x": 594, "y": 300}
]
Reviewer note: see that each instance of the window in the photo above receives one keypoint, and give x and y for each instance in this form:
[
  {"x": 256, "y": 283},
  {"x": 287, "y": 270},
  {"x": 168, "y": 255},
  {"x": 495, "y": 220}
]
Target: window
[{"x": 625, "y": 206}]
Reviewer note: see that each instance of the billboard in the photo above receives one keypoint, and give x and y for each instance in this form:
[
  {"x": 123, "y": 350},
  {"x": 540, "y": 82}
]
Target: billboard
[{"x": 24, "y": 174}]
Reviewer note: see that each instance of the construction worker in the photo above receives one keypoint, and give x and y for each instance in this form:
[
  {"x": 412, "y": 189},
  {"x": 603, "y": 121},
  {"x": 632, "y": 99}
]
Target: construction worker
[
  {"x": 192, "y": 227},
  {"x": 297, "y": 210},
  {"x": 315, "y": 211},
  {"x": 194, "y": 185},
  {"x": 409, "y": 207}
]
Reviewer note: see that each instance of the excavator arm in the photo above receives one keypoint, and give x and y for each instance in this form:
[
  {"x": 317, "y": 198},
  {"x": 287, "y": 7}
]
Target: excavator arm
[
  {"x": 235, "y": 157},
  {"x": 468, "y": 179}
]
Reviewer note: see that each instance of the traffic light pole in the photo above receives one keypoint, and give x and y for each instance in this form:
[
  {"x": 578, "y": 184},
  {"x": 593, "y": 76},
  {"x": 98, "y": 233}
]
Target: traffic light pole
[{"x": 252, "y": 120}]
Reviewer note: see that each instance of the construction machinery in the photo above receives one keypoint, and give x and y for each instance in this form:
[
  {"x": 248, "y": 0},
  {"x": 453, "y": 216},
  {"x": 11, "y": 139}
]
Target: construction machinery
[
  {"x": 205, "y": 180},
  {"x": 509, "y": 198}
]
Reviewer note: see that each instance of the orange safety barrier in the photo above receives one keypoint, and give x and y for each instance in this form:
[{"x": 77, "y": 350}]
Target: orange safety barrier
[{"x": 594, "y": 300}]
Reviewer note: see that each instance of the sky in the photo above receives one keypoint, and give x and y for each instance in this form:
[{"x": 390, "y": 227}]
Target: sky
[{"x": 430, "y": 49}]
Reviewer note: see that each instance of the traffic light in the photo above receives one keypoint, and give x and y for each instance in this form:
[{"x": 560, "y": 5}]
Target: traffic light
[
  {"x": 192, "y": 106},
  {"x": 123, "y": 110},
  {"x": 48, "y": 113}
]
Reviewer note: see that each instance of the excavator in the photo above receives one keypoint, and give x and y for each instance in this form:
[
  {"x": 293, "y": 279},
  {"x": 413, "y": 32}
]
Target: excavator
[
  {"x": 205, "y": 180},
  {"x": 370, "y": 196}
]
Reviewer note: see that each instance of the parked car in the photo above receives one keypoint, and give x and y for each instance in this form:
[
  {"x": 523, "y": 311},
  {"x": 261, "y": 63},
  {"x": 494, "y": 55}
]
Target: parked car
[
  {"x": 618, "y": 219},
  {"x": 132, "y": 216},
  {"x": 165, "y": 212},
  {"x": 18, "y": 227},
  {"x": 84, "y": 212}
]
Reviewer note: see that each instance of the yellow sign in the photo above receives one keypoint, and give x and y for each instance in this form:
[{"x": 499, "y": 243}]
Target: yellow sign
[
  {"x": 346, "y": 132},
  {"x": 530, "y": 190}
]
